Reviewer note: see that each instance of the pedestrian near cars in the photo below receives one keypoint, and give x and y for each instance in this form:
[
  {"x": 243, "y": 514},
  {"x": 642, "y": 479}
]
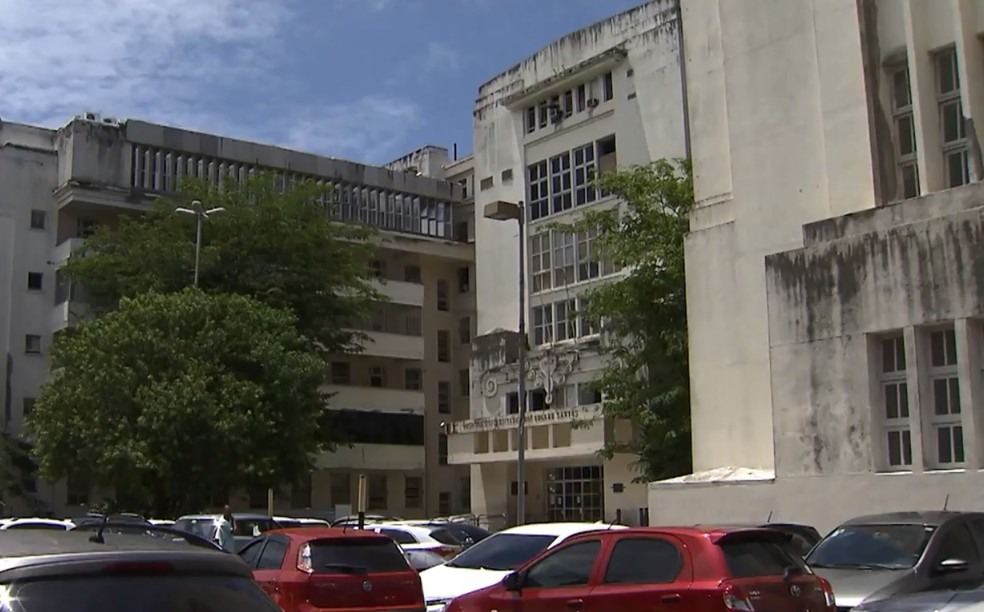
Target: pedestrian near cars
[{"x": 224, "y": 529}]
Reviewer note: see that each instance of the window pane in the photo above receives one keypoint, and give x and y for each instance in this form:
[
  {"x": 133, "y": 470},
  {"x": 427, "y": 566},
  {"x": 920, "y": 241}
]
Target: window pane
[
  {"x": 907, "y": 447},
  {"x": 900, "y": 86},
  {"x": 895, "y": 448},
  {"x": 944, "y": 445},
  {"x": 891, "y": 401},
  {"x": 907, "y": 135},
  {"x": 910, "y": 181}
]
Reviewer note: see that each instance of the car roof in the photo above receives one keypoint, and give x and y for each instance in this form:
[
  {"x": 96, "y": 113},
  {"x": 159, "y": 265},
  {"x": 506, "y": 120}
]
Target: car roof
[
  {"x": 933, "y": 518},
  {"x": 712, "y": 532},
  {"x": 415, "y": 529},
  {"x": 558, "y": 529},
  {"x": 320, "y": 533},
  {"x": 33, "y": 547}
]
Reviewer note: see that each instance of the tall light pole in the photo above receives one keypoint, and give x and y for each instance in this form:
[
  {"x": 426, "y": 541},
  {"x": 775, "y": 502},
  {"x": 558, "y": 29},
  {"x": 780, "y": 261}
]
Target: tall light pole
[
  {"x": 198, "y": 209},
  {"x": 509, "y": 211}
]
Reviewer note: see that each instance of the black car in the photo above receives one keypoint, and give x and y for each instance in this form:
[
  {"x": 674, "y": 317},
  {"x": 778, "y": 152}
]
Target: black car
[
  {"x": 801, "y": 537},
  {"x": 82, "y": 571}
]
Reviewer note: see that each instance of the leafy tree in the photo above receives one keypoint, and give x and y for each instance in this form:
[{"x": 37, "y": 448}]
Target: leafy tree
[
  {"x": 644, "y": 314},
  {"x": 175, "y": 397},
  {"x": 278, "y": 246},
  {"x": 17, "y": 472}
]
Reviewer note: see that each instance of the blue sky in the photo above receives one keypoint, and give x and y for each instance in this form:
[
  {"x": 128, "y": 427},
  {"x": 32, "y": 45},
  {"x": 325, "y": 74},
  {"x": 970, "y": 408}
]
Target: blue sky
[{"x": 361, "y": 79}]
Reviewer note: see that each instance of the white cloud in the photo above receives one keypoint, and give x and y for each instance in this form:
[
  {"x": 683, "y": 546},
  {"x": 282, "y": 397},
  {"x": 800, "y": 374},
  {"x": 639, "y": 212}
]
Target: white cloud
[
  {"x": 175, "y": 61},
  {"x": 439, "y": 57}
]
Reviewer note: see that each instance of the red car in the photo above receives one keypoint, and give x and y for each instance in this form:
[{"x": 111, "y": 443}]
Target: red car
[
  {"x": 322, "y": 569},
  {"x": 655, "y": 569}
]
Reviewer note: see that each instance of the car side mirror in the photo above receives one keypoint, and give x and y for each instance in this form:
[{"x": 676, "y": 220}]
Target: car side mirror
[
  {"x": 952, "y": 566},
  {"x": 513, "y": 581}
]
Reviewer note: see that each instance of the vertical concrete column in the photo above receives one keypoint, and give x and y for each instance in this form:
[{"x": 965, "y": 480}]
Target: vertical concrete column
[
  {"x": 918, "y": 389},
  {"x": 489, "y": 488},
  {"x": 968, "y": 336},
  {"x": 922, "y": 80},
  {"x": 970, "y": 65}
]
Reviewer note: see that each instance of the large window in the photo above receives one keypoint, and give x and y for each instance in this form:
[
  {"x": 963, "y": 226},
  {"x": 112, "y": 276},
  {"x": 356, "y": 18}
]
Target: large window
[
  {"x": 539, "y": 196},
  {"x": 566, "y": 180},
  {"x": 363, "y": 427},
  {"x": 952, "y": 129},
  {"x": 895, "y": 404},
  {"x": 559, "y": 259},
  {"x": 541, "y": 269},
  {"x": 905, "y": 133},
  {"x": 565, "y": 319},
  {"x": 946, "y": 426},
  {"x": 560, "y": 183}
]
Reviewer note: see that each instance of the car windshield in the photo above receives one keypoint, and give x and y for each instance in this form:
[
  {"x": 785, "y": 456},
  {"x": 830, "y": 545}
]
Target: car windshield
[
  {"x": 118, "y": 594},
  {"x": 503, "y": 551},
  {"x": 201, "y": 527},
  {"x": 871, "y": 547}
]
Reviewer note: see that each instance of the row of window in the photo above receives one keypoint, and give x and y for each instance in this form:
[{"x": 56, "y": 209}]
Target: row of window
[
  {"x": 567, "y": 180},
  {"x": 953, "y": 135},
  {"x": 578, "y": 99},
  {"x": 559, "y": 259},
  {"x": 568, "y": 396},
  {"x": 562, "y": 320},
  {"x": 160, "y": 170},
  {"x": 941, "y": 422},
  {"x": 340, "y": 373}
]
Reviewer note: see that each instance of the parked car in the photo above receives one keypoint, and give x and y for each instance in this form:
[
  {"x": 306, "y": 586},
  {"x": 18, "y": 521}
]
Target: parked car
[
  {"x": 45, "y": 571},
  {"x": 487, "y": 562},
  {"x": 875, "y": 557},
  {"x": 947, "y": 600},
  {"x": 147, "y": 530},
  {"x": 802, "y": 537},
  {"x": 436, "y": 539},
  {"x": 352, "y": 520},
  {"x": 246, "y": 526},
  {"x": 650, "y": 568},
  {"x": 290, "y": 522},
  {"x": 421, "y": 560},
  {"x": 466, "y": 533},
  {"x": 311, "y": 569},
  {"x": 37, "y": 523}
]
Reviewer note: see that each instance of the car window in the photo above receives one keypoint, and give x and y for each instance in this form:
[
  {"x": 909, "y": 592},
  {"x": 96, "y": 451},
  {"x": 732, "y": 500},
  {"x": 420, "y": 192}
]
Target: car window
[
  {"x": 896, "y": 546},
  {"x": 372, "y": 555},
  {"x": 273, "y": 555},
  {"x": 445, "y": 537},
  {"x": 251, "y": 527},
  {"x": 399, "y": 536},
  {"x": 201, "y": 527},
  {"x": 749, "y": 558},
  {"x": 644, "y": 561},
  {"x": 503, "y": 551},
  {"x": 957, "y": 542},
  {"x": 567, "y": 566},
  {"x": 168, "y": 593},
  {"x": 251, "y": 552}
]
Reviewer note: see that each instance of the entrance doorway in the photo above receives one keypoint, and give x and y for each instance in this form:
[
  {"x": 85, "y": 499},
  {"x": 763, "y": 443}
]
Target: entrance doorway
[{"x": 576, "y": 494}]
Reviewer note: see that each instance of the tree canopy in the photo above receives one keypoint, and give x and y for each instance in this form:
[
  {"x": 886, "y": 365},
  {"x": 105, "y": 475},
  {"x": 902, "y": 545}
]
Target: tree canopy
[
  {"x": 644, "y": 313},
  {"x": 278, "y": 246},
  {"x": 178, "y": 397}
]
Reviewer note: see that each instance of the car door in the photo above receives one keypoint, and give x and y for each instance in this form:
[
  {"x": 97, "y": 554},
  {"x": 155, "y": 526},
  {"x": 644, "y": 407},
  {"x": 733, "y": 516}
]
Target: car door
[
  {"x": 268, "y": 567},
  {"x": 954, "y": 542},
  {"x": 561, "y": 580},
  {"x": 644, "y": 573}
]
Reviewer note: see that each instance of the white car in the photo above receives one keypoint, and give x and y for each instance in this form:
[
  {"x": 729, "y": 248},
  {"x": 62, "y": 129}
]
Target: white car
[
  {"x": 489, "y": 561},
  {"x": 38, "y": 523},
  {"x": 417, "y": 538}
]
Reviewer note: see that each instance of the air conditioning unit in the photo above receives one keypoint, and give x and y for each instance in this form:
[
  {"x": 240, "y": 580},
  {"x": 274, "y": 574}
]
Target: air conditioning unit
[
  {"x": 91, "y": 116},
  {"x": 593, "y": 103}
]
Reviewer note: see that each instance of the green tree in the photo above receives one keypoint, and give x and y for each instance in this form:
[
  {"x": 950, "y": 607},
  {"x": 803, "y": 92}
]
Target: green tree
[
  {"x": 175, "y": 397},
  {"x": 17, "y": 472},
  {"x": 278, "y": 246},
  {"x": 644, "y": 314}
]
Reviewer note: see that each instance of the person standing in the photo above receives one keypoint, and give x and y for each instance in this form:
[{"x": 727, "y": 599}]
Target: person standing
[{"x": 224, "y": 530}]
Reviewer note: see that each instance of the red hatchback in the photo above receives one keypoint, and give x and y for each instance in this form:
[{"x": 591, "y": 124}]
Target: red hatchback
[
  {"x": 651, "y": 569},
  {"x": 342, "y": 570}
]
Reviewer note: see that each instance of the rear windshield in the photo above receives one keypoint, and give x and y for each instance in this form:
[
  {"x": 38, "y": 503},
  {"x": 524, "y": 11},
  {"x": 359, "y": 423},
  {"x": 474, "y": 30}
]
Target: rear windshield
[
  {"x": 371, "y": 555},
  {"x": 118, "y": 594},
  {"x": 445, "y": 537},
  {"x": 399, "y": 536},
  {"x": 751, "y": 557}
]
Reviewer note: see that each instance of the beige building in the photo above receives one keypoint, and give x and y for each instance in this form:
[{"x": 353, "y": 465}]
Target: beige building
[
  {"x": 835, "y": 274},
  {"x": 59, "y": 184},
  {"x": 607, "y": 96}
]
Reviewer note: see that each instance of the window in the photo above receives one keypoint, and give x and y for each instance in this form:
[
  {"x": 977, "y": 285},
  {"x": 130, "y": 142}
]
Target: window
[
  {"x": 413, "y": 379},
  {"x": 464, "y": 330},
  {"x": 643, "y": 561},
  {"x": 567, "y": 566},
  {"x": 374, "y": 554},
  {"x": 377, "y": 268},
  {"x": 584, "y": 174},
  {"x": 341, "y": 488},
  {"x": 563, "y": 258},
  {"x": 586, "y": 324},
  {"x": 443, "y": 345},
  {"x": 588, "y": 394},
  {"x": 945, "y": 422},
  {"x": 540, "y": 262},
  {"x": 443, "y": 302},
  {"x": 443, "y": 503},
  {"x": 530, "y": 119},
  {"x": 442, "y": 449},
  {"x": 543, "y": 325},
  {"x": 958, "y": 543},
  {"x": 378, "y": 492},
  {"x": 952, "y": 130},
  {"x": 560, "y": 182},
  {"x": 608, "y": 86},
  {"x": 565, "y": 315},
  {"x": 539, "y": 197},
  {"x": 32, "y": 343},
  {"x": 377, "y": 377},
  {"x": 466, "y": 493},
  {"x": 39, "y": 219},
  {"x": 464, "y": 382},
  {"x": 486, "y": 183},
  {"x": 300, "y": 493},
  {"x": 272, "y": 557},
  {"x": 507, "y": 175},
  {"x": 411, "y": 274},
  {"x": 753, "y": 558},
  {"x": 443, "y": 397},
  {"x": 341, "y": 373},
  {"x": 895, "y": 404},
  {"x": 412, "y": 491},
  {"x": 464, "y": 279},
  {"x": 364, "y": 427},
  {"x": 35, "y": 281},
  {"x": 512, "y": 402},
  {"x": 905, "y": 133},
  {"x": 27, "y": 406},
  {"x": 581, "y": 97}
]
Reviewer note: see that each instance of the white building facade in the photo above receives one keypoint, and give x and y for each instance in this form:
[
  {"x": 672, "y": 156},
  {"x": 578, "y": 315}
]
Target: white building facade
[
  {"x": 607, "y": 96},
  {"x": 57, "y": 185},
  {"x": 835, "y": 283}
]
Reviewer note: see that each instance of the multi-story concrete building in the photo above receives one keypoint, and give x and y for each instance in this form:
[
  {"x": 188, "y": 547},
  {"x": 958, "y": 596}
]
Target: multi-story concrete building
[
  {"x": 835, "y": 275},
  {"x": 59, "y": 184},
  {"x": 604, "y": 97}
]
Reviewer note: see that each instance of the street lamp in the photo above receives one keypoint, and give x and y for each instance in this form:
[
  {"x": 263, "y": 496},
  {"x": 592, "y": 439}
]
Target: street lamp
[
  {"x": 200, "y": 213},
  {"x": 509, "y": 211}
]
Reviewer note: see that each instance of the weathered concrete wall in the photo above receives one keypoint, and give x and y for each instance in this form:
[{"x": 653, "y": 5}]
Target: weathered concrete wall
[{"x": 910, "y": 264}]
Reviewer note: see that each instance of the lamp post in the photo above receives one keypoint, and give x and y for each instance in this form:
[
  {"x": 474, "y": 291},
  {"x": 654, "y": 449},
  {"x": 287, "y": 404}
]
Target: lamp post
[
  {"x": 200, "y": 213},
  {"x": 509, "y": 211}
]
